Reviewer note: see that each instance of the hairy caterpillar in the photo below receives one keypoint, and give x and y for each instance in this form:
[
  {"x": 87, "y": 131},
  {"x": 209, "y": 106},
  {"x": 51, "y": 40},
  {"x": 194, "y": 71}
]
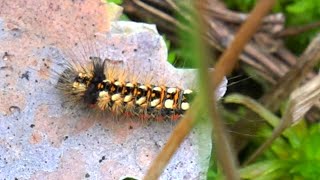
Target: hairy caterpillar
[
  {"x": 95, "y": 86},
  {"x": 137, "y": 85}
]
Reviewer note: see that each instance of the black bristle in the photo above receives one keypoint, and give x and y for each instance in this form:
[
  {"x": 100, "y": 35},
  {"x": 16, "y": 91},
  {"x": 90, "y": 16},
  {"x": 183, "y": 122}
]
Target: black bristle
[{"x": 92, "y": 92}]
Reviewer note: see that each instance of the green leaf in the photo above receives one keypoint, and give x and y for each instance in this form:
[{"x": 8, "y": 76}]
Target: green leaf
[
  {"x": 261, "y": 169},
  {"x": 171, "y": 57},
  {"x": 119, "y": 2},
  {"x": 298, "y": 7},
  {"x": 254, "y": 106},
  {"x": 281, "y": 148},
  {"x": 311, "y": 143},
  {"x": 306, "y": 169}
]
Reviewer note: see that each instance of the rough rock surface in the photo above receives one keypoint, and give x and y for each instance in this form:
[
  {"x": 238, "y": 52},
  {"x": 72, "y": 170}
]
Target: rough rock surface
[{"x": 41, "y": 138}]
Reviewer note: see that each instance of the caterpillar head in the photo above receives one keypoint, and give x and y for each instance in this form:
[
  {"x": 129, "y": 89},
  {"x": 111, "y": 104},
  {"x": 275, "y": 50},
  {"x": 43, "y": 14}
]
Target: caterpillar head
[
  {"x": 83, "y": 84},
  {"x": 73, "y": 84}
]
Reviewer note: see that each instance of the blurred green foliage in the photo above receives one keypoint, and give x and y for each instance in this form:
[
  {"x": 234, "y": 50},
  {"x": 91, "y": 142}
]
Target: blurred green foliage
[
  {"x": 297, "y": 13},
  {"x": 244, "y": 5},
  {"x": 171, "y": 52},
  {"x": 119, "y": 2},
  {"x": 292, "y": 156}
]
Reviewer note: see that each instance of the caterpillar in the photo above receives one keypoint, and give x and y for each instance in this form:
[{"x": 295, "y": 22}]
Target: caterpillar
[
  {"x": 94, "y": 86},
  {"x": 139, "y": 84}
]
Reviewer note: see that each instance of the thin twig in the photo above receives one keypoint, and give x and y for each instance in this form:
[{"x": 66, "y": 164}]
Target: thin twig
[
  {"x": 172, "y": 5},
  {"x": 293, "y": 31},
  {"x": 159, "y": 13},
  {"x": 275, "y": 134}
]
